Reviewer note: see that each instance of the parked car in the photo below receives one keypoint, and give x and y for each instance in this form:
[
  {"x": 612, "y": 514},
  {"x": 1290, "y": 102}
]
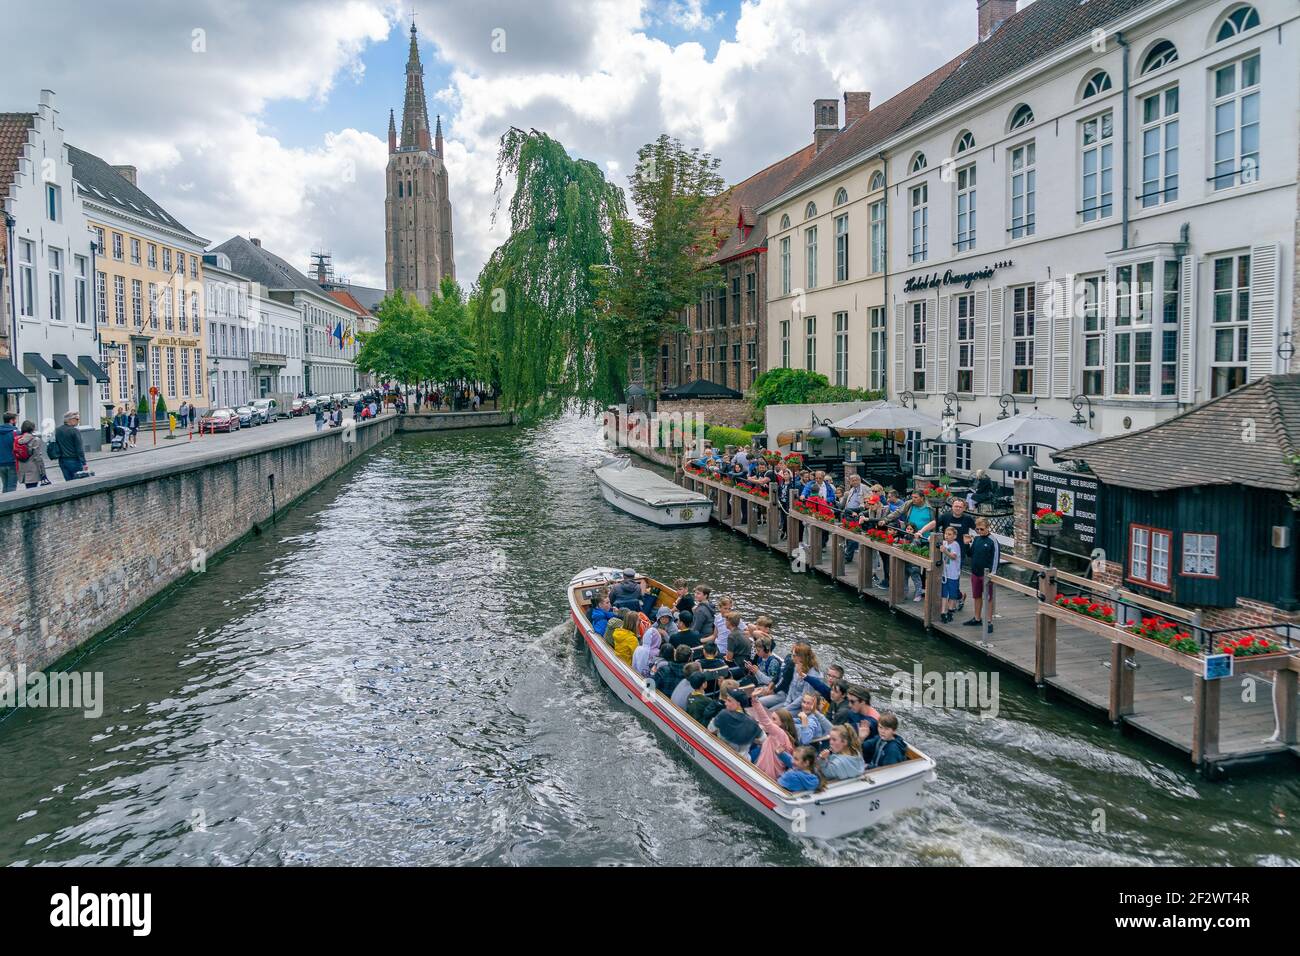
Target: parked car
[
  {"x": 219, "y": 420},
  {"x": 302, "y": 406},
  {"x": 248, "y": 416},
  {"x": 268, "y": 408}
]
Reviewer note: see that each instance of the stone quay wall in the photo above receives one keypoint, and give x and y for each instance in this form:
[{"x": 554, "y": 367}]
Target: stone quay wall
[
  {"x": 446, "y": 421},
  {"x": 76, "y": 560}
]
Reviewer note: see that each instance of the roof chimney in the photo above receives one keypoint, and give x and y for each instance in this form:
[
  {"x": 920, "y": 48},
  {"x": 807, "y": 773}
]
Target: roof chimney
[
  {"x": 126, "y": 172},
  {"x": 992, "y": 15},
  {"x": 826, "y": 121},
  {"x": 255, "y": 241},
  {"x": 856, "y": 106}
]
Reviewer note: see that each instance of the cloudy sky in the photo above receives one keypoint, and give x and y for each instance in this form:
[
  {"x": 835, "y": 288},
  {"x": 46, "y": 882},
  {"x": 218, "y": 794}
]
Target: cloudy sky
[{"x": 269, "y": 118}]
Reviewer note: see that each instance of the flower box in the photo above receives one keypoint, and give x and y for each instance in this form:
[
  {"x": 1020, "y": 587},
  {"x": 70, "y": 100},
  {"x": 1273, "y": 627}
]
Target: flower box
[
  {"x": 1250, "y": 645},
  {"x": 1167, "y": 633},
  {"x": 1080, "y": 604}
]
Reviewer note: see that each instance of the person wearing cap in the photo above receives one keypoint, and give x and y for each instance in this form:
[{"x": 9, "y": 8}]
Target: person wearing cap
[
  {"x": 628, "y": 592},
  {"x": 699, "y": 704},
  {"x": 68, "y": 448},
  {"x": 733, "y": 726}
]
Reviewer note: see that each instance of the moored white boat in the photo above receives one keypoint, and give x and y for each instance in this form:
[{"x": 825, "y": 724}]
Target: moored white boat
[
  {"x": 651, "y": 497},
  {"x": 843, "y": 807}
]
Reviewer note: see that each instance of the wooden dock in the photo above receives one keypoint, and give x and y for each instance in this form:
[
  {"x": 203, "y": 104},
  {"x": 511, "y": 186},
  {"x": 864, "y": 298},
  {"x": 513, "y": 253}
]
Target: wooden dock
[{"x": 1133, "y": 681}]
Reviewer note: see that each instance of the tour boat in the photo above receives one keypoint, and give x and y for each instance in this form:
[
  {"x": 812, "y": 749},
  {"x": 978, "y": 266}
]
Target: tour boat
[
  {"x": 651, "y": 497},
  {"x": 845, "y": 806}
]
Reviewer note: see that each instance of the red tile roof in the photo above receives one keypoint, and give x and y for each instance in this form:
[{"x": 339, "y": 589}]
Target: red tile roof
[
  {"x": 743, "y": 199},
  {"x": 349, "y": 300},
  {"x": 14, "y": 128}
]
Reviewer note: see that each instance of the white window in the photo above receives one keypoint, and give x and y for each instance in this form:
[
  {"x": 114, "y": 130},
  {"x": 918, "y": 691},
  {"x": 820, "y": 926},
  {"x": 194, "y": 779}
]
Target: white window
[
  {"x": 1134, "y": 304},
  {"x": 841, "y": 348},
  {"x": 82, "y": 292},
  {"x": 155, "y": 366},
  {"x": 810, "y": 210},
  {"x": 1161, "y": 55},
  {"x": 785, "y": 266},
  {"x": 1200, "y": 555},
  {"x": 1149, "y": 550},
  {"x": 878, "y": 236},
  {"x": 1236, "y": 123},
  {"x": 1022, "y": 116},
  {"x": 810, "y": 343},
  {"x": 918, "y": 163},
  {"x": 1023, "y": 187},
  {"x": 920, "y": 222},
  {"x": 1094, "y": 335},
  {"x": 1023, "y": 305},
  {"x": 135, "y": 251},
  {"x": 810, "y": 255},
  {"x": 26, "y": 279},
  {"x": 1097, "y": 84},
  {"x": 123, "y": 372},
  {"x": 119, "y": 300},
  {"x": 918, "y": 345},
  {"x": 785, "y": 221},
  {"x": 171, "y": 372},
  {"x": 785, "y": 343},
  {"x": 167, "y": 259},
  {"x": 962, "y": 455},
  {"x": 1238, "y": 21},
  {"x": 153, "y": 256},
  {"x": 185, "y": 369},
  {"x": 1098, "y": 166},
  {"x": 137, "y": 303},
  {"x": 879, "y": 344},
  {"x": 56, "y": 284},
  {"x": 877, "y": 181},
  {"x": 153, "y": 305},
  {"x": 117, "y": 246},
  {"x": 964, "y": 307},
  {"x": 966, "y": 207},
  {"x": 1231, "y": 318},
  {"x": 841, "y": 248},
  {"x": 169, "y": 321},
  {"x": 1160, "y": 147},
  {"x": 841, "y": 196}
]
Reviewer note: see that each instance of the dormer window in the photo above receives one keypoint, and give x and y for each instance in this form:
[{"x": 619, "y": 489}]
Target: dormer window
[
  {"x": 1097, "y": 84},
  {"x": 1160, "y": 55},
  {"x": 964, "y": 142},
  {"x": 841, "y": 196}
]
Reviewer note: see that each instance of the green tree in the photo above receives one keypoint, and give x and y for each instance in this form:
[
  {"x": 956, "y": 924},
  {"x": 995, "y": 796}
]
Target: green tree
[
  {"x": 660, "y": 260},
  {"x": 533, "y": 312},
  {"x": 402, "y": 348},
  {"x": 452, "y": 357},
  {"x": 785, "y": 386}
]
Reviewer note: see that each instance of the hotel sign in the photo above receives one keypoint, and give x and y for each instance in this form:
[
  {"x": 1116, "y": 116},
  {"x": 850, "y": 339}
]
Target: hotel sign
[{"x": 964, "y": 279}]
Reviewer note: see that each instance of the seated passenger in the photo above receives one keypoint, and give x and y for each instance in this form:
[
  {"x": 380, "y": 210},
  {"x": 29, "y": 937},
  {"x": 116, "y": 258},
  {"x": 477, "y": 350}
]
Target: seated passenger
[
  {"x": 602, "y": 612},
  {"x": 651, "y": 640},
  {"x": 709, "y": 661},
  {"x": 886, "y": 747},
  {"x": 809, "y": 721},
  {"x": 779, "y": 738},
  {"x": 628, "y": 592},
  {"x": 859, "y": 699},
  {"x": 623, "y": 636},
  {"x": 668, "y": 675},
  {"x": 733, "y": 726},
  {"x": 739, "y": 647},
  {"x": 684, "y": 600},
  {"x": 685, "y": 636},
  {"x": 844, "y": 759},
  {"x": 700, "y": 705},
  {"x": 682, "y": 692},
  {"x": 802, "y": 774}
]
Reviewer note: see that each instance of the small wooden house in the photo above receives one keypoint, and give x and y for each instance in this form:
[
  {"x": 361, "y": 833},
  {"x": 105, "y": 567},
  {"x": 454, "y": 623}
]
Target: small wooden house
[{"x": 1200, "y": 510}]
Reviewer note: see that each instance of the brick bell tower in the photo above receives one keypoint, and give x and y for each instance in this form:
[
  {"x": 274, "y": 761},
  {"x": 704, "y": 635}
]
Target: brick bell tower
[{"x": 417, "y": 210}]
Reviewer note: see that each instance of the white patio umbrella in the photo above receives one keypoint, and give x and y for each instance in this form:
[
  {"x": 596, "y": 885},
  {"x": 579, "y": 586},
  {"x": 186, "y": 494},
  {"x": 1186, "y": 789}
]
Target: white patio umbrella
[
  {"x": 1036, "y": 428},
  {"x": 884, "y": 417}
]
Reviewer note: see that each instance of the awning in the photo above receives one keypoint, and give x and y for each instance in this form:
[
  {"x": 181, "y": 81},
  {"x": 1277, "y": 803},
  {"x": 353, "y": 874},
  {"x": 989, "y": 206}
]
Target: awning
[
  {"x": 93, "y": 368},
  {"x": 12, "y": 381},
  {"x": 72, "y": 368},
  {"x": 43, "y": 368}
]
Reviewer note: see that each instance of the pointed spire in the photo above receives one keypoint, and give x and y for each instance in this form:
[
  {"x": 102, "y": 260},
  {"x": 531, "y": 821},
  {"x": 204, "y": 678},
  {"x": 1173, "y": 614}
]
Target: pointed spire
[
  {"x": 415, "y": 112},
  {"x": 437, "y": 137},
  {"x": 392, "y": 132}
]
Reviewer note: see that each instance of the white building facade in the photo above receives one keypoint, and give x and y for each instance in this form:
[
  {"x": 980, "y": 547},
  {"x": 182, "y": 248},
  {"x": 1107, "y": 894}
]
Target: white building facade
[
  {"x": 277, "y": 344},
  {"x": 52, "y": 261},
  {"x": 228, "y": 303},
  {"x": 329, "y": 365},
  {"x": 1107, "y": 234}
]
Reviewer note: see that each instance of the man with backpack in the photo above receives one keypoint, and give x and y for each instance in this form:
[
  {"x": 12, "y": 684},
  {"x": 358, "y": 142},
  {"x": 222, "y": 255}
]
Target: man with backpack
[{"x": 8, "y": 466}]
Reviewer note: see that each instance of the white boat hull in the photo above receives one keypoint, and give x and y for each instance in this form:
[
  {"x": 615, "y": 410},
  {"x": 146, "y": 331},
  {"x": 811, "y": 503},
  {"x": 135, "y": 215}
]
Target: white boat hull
[
  {"x": 676, "y": 515},
  {"x": 842, "y": 809}
]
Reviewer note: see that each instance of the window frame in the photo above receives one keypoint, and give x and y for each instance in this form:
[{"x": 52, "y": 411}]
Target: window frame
[
  {"x": 783, "y": 257},
  {"x": 842, "y": 248},
  {"x": 810, "y": 256},
  {"x": 876, "y": 213},
  {"x": 1095, "y": 310},
  {"x": 785, "y": 343},
  {"x": 1151, "y": 533},
  {"x": 879, "y": 345},
  {"x": 1164, "y": 123},
  {"x": 1022, "y": 334},
  {"x": 1027, "y": 172},
  {"x": 919, "y": 213},
  {"x": 965, "y": 360},
  {"x": 1236, "y": 98},
  {"x": 965, "y": 184},
  {"x": 841, "y": 349},
  {"x": 1239, "y": 322},
  {"x": 918, "y": 315},
  {"x": 1100, "y": 203},
  {"x": 1182, "y": 555},
  {"x": 810, "y": 342}
]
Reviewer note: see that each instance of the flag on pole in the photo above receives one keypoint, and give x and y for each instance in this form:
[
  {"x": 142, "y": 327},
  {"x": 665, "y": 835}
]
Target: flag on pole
[{"x": 338, "y": 333}]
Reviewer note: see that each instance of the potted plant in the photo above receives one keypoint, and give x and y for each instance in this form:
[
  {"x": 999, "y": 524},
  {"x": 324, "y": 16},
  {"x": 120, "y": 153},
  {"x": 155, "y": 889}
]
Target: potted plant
[
  {"x": 1167, "y": 633},
  {"x": 1249, "y": 645},
  {"x": 1082, "y": 604},
  {"x": 1048, "y": 522}
]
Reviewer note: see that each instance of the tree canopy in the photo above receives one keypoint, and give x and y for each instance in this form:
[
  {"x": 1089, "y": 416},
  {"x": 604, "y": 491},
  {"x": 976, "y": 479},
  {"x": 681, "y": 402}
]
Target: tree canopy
[
  {"x": 413, "y": 344},
  {"x": 533, "y": 310}
]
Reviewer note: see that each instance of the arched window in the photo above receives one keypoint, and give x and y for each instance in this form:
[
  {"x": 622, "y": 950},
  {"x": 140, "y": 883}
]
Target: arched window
[
  {"x": 877, "y": 181},
  {"x": 841, "y": 196},
  {"x": 964, "y": 142},
  {"x": 1162, "y": 54},
  {"x": 1099, "y": 82},
  {"x": 1238, "y": 21},
  {"x": 1021, "y": 116},
  {"x": 918, "y": 163},
  {"x": 810, "y": 210},
  {"x": 785, "y": 221}
]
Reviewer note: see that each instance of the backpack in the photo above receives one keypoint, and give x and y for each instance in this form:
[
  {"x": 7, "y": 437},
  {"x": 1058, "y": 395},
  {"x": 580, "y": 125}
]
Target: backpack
[{"x": 22, "y": 449}]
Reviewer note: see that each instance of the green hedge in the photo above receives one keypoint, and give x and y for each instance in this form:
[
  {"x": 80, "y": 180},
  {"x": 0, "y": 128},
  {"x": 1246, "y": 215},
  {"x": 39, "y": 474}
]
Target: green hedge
[{"x": 722, "y": 436}]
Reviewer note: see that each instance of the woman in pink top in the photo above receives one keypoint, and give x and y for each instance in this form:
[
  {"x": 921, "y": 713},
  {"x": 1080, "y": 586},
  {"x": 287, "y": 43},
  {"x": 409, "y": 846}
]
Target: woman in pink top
[{"x": 779, "y": 737}]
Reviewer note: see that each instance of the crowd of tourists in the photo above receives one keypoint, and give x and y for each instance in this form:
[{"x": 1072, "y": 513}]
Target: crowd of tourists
[
  {"x": 966, "y": 540},
  {"x": 801, "y": 724},
  {"x": 24, "y": 453}
]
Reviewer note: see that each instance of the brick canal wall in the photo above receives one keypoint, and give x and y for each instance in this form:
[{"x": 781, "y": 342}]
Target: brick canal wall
[
  {"x": 75, "y": 560},
  {"x": 446, "y": 421}
]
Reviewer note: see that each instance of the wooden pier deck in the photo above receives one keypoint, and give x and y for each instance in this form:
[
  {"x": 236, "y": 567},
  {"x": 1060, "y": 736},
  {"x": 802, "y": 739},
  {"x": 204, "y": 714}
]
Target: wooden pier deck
[{"x": 1153, "y": 689}]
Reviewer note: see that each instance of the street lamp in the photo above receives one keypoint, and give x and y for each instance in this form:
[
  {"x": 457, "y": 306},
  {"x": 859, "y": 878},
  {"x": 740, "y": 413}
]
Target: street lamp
[
  {"x": 1078, "y": 402},
  {"x": 1005, "y": 399}
]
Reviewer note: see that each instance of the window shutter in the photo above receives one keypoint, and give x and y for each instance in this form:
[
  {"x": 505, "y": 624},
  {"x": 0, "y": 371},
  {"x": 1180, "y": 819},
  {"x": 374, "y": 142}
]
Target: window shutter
[
  {"x": 996, "y": 345},
  {"x": 945, "y": 317},
  {"x": 1044, "y": 309},
  {"x": 900, "y": 349},
  {"x": 1063, "y": 339},
  {"x": 1187, "y": 330},
  {"x": 980, "y": 375},
  {"x": 931, "y": 345},
  {"x": 1262, "y": 358}
]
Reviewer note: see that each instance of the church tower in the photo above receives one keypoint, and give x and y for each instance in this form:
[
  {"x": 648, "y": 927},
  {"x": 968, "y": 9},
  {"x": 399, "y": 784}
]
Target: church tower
[{"x": 417, "y": 211}]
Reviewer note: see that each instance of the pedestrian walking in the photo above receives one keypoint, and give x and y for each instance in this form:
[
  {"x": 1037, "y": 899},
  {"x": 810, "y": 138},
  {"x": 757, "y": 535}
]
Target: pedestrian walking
[
  {"x": 29, "y": 453},
  {"x": 320, "y": 416},
  {"x": 8, "y": 466},
  {"x": 68, "y": 447}
]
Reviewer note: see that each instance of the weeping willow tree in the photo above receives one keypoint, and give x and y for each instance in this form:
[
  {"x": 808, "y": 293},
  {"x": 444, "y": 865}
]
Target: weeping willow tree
[{"x": 535, "y": 326}]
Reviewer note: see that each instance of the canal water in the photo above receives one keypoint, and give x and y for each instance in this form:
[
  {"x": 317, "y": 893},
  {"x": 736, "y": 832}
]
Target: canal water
[{"x": 388, "y": 676}]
